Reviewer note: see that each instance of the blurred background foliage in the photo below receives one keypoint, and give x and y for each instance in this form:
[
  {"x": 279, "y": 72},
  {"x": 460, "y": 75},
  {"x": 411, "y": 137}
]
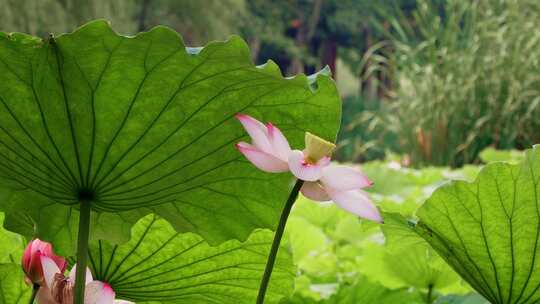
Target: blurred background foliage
[
  {"x": 435, "y": 80},
  {"x": 426, "y": 84}
]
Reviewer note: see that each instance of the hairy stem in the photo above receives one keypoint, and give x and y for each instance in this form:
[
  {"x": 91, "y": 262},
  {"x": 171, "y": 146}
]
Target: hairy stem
[
  {"x": 277, "y": 240},
  {"x": 82, "y": 251},
  {"x": 35, "y": 289}
]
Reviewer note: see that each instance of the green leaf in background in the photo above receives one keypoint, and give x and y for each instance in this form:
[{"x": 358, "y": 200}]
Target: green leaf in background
[
  {"x": 143, "y": 124},
  {"x": 489, "y": 155},
  {"x": 310, "y": 246},
  {"x": 13, "y": 290},
  {"x": 160, "y": 265},
  {"x": 406, "y": 260},
  {"x": 472, "y": 298},
  {"x": 11, "y": 245},
  {"x": 363, "y": 291},
  {"x": 366, "y": 292},
  {"x": 488, "y": 230}
]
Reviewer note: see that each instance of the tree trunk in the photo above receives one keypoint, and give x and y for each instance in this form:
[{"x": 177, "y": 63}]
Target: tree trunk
[
  {"x": 329, "y": 55},
  {"x": 305, "y": 33},
  {"x": 314, "y": 20},
  {"x": 254, "y": 47},
  {"x": 145, "y": 4}
]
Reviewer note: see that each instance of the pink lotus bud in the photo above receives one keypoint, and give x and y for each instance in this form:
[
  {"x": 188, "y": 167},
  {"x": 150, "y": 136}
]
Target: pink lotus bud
[{"x": 31, "y": 260}]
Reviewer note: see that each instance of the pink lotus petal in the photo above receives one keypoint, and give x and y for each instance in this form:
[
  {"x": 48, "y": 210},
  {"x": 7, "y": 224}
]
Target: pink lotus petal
[
  {"x": 344, "y": 178},
  {"x": 356, "y": 202},
  {"x": 32, "y": 265},
  {"x": 302, "y": 169},
  {"x": 50, "y": 269},
  {"x": 314, "y": 191},
  {"x": 325, "y": 161},
  {"x": 278, "y": 141},
  {"x": 257, "y": 131},
  {"x": 60, "y": 262},
  {"x": 38, "y": 245},
  {"x": 44, "y": 247},
  {"x": 261, "y": 159},
  {"x": 73, "y": 273},
  {"x": 99, "y": 293}
]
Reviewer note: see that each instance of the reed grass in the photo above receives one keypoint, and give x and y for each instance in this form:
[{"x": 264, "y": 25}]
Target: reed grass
[{"x": 464, "y": 75}]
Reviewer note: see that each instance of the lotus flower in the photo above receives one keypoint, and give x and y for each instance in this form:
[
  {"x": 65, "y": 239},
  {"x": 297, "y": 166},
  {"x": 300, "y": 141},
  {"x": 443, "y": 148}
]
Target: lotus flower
[
  {"x": 31, "y": 260},
  {"x": 60, "y": 289},
  {"x": 270, "y": 149},
  {"x": 270, "y": 152}
]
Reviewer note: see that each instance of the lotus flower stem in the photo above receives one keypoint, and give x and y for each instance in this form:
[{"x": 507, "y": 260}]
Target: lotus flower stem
[
  {"x": 277, "y": 240},
  {"x": 82, "y": 250},
  {"x": 35, "y": 289}
]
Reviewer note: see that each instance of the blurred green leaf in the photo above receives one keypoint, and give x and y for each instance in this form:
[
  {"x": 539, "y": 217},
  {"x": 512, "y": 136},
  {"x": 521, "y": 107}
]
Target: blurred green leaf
[
  {"x": 323, "y": 215},
  {"x": 366, "y": 292},
  {"x": 409, "y": 266},
  {"x": 11, "y": 245},
  {"x": 13, "y": 289},
  {"x": 305, "y": 238},
  {"x": 390, "y": 178},
  {"x": 362, "y": 291},
  {"x": 489, "y": 155},
  {"x": 472, "y": 298}
]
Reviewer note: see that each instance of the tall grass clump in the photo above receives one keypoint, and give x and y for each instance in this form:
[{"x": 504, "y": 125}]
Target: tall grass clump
[{"x": 465, "y": 75}]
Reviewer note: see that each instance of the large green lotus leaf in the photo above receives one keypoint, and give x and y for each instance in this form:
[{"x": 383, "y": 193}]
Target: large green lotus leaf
[
  {"x": 143, "y": 124},
  {"x": 57, "y": 223},
  {"x": 488, "y": 230},
  {"x": 13, "y": 290},
  {"x": 160, "y": 265}
]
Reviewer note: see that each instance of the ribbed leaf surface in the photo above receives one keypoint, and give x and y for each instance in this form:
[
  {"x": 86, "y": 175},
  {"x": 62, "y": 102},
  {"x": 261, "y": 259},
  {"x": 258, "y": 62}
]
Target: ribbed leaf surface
[{"x": 143, "y": 124}]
